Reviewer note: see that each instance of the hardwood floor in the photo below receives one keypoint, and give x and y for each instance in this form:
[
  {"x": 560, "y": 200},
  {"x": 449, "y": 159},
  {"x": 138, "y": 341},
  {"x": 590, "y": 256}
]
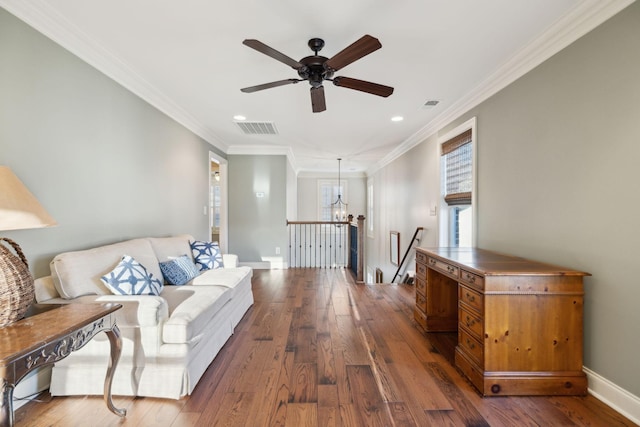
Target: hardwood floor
[{"x": 318, "y": 350}]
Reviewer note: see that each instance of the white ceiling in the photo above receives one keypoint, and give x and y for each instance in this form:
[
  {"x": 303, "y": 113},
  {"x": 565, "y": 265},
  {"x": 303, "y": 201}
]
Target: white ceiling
[{"x": 187, "y": 58}]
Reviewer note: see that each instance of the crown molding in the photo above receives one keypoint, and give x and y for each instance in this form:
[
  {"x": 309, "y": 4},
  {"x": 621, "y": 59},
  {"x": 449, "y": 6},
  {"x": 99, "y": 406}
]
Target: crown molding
[
  {"x": 331, "y": 175},
  {"x": 583, "y": 18},
  {"x": 265, "y": 150},
  {"x": 586, "y": 16},
  {"x": 39, "y": 15}
]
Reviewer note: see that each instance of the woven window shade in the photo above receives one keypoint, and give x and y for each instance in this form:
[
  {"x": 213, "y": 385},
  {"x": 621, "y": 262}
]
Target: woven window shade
[{"x": 458, "y": 161}]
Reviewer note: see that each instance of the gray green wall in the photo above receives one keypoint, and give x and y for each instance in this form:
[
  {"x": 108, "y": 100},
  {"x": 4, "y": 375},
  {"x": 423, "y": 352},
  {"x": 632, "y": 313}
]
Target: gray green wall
[
  {"x": 257, "y": 225},
  {"x": 104, "y": 163},
  {"x": 558, "y": 154}
]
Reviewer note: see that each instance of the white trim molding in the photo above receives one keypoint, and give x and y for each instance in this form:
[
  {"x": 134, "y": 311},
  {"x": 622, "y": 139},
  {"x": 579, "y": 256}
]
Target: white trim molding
[
  {"x": 613, "y": 395},
  {"x": 586, "y": 16},
  {"x": 39, "y": 15}
]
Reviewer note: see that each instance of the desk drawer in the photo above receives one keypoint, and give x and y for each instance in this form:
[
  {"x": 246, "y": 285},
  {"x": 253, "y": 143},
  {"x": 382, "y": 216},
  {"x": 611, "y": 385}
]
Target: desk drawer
[
  {"x": 471, "y": 346},
  {"x": 473, "y": 299},
  {"x": 421, "y": 258},
  {"x": 444, "y": 267},
  {"x": 471, "y": 321},
  {"x": 472, "y": 279},
  {"x": 421, "y": 286},
  {"x": 421, "y": 271},
  {"x": 421, "y": 302}
]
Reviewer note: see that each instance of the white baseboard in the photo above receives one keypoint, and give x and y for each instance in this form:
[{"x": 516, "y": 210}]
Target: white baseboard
[
  {"x": 33, "y": 383},
  {"x": 616, "y": 397}
]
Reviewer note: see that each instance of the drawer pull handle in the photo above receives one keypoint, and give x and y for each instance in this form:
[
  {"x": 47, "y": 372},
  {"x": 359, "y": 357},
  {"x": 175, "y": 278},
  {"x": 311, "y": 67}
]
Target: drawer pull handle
[
  {"x": 470, "y": 297},
  {"x": 470, "y": 322},
  {"x": 471, "y": 278},
  {"x": 470, "y": 344},
  {"x": 450, "y": 269}
]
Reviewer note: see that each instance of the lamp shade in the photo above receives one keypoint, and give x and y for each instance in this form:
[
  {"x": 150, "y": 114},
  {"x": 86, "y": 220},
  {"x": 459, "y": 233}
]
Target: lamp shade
[{"x": 19, "y": 209}]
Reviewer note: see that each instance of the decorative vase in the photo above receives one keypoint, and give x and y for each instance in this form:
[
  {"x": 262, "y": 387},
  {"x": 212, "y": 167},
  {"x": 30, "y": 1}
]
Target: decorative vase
[{"x": 16, "y": 284}]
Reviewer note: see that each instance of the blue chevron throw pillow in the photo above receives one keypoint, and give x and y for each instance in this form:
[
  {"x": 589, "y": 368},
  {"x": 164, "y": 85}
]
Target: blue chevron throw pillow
[{"x": 130, "y": 277}]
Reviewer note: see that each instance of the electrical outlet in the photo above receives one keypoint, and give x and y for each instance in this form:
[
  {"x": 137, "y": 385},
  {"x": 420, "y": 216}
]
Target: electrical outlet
[{"x": 277, "y": 250}]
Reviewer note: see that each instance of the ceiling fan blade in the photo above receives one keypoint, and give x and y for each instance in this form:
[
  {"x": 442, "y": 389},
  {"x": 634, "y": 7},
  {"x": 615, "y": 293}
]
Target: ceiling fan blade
[
  {"x": 251, "y": 89},
  {"x": 363, "y": 86},
  {"x": 317, "y": 99},
  {"x": 269, "y": 51},
  {"x": 362, "y": 47}
]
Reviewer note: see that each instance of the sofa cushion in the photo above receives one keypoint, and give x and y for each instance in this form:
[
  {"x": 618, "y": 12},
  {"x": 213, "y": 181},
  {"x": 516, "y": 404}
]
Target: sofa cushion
[
  {"x": 206, "y": 255},
  {"x": 224, "y": 277},
  {"x": 179, "y": 271},
  {"x": 190, "y": 310},
  {"x": 130, "y": 277},
  {"x": 78, "y": 273}
]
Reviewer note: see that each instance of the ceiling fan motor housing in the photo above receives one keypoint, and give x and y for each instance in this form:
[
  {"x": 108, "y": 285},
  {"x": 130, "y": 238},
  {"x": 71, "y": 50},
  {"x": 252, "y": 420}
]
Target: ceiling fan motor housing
[{"x": 314, "y": 70}]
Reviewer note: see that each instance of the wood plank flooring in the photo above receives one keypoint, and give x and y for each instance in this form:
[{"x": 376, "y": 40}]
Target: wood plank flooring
[{"x": 318, "y": 350}]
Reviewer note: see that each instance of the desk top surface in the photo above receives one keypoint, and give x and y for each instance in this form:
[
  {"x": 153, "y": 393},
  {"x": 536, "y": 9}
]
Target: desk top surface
[
  {"x": 491, "y": 263},
  {"x": 44, "y": 325}
]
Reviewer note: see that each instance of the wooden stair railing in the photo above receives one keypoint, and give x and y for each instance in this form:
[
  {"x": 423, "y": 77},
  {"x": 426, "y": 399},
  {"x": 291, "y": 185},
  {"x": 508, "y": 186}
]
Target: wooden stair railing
[
  {"x": 318, "y": 244},
  {"x": 327, "y": 244}
]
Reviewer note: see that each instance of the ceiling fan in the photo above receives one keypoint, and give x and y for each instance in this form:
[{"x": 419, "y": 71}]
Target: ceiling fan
[{"x": 316, "y": 69}]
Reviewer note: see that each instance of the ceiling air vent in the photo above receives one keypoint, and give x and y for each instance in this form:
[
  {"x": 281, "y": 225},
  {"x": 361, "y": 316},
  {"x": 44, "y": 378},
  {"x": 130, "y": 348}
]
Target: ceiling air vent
[{"x": 258, "y": 128}]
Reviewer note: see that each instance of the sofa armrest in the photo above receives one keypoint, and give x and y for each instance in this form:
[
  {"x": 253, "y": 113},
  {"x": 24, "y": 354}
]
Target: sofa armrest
[
  {"x": 230, "y": 260},
  {"x": 137, "y": 310},
  {"x": 45, "y": 289}
]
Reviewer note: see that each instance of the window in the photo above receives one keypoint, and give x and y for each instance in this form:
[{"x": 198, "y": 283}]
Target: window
[
  {"x": 457, "y": 175},
  {"x": 328, "y": 192}
]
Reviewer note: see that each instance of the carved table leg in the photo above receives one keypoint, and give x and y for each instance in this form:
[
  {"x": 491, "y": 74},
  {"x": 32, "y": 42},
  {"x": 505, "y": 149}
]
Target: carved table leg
[
  {"x": 6, "y": 405},
  {"x": 116, "y": 348}
]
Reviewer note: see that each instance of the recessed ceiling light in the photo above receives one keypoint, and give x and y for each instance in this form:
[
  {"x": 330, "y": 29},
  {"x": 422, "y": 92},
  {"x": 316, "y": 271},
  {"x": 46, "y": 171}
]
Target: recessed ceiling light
[
  {"x": 397, "y": 118},
  {"x": 239, "y": 117}
]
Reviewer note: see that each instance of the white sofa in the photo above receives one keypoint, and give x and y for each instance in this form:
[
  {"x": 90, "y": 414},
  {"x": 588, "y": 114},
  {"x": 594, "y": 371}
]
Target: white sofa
[{"x": 168, "y": 340}]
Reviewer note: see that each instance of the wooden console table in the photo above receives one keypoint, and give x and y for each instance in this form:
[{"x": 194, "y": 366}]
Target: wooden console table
[
  {"x": 519, "y": 322},
  {"x": 49, "y": 334}
]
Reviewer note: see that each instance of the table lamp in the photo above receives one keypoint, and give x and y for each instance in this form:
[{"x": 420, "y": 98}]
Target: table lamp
[{"x": 19, "y": 210}]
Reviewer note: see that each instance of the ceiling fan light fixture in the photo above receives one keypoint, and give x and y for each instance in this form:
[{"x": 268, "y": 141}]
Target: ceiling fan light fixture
[{"x": 316, "y": 69}]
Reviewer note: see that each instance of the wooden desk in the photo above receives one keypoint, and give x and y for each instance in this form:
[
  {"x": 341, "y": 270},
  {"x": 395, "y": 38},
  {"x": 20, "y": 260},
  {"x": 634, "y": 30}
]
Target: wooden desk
[
  {"x": 49, "y": 335},
  {"x": 519, "y": 322}
]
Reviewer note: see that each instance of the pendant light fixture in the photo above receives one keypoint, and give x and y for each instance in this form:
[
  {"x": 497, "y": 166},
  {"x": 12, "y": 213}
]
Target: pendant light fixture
[{"x": 339, "y": 207}]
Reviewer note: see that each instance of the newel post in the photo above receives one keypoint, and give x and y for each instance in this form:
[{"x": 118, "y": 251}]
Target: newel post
[
  {"x": 360, "y": 269},
  {"x": 350, "y": 243}
]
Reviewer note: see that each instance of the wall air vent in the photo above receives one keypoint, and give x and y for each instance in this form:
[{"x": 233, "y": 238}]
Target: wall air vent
[{"x": 258, "y": 128}]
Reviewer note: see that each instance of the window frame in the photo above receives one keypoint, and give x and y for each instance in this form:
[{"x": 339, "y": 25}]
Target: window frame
[
  {"x": 333, "y": 183},
  {"x": 370, "y": 208},
  {"x": 444, "y": 223}
]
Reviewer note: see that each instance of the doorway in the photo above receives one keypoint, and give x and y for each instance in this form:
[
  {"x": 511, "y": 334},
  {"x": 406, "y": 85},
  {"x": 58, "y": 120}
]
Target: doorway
[{"x": 218, "y": 206}]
